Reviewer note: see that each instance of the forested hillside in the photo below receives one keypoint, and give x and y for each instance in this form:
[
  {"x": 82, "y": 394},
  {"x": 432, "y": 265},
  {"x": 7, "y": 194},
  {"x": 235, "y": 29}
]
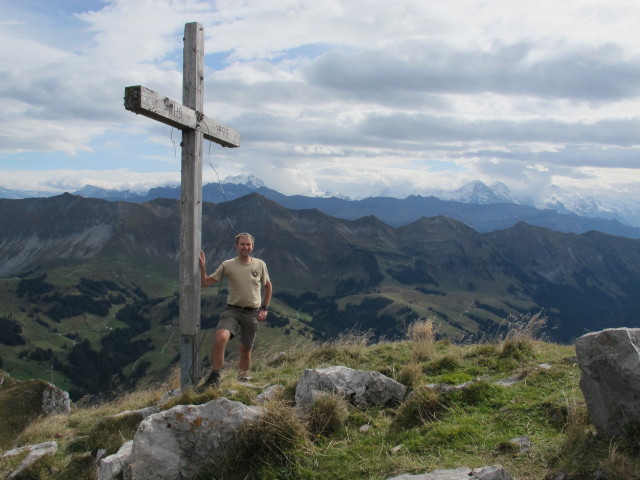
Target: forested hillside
[{"x": 88, "y": 287}]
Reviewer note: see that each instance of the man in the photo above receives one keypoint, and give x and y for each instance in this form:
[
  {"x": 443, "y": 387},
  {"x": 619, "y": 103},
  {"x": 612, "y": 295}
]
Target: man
[{"x": 245, "y": 307}]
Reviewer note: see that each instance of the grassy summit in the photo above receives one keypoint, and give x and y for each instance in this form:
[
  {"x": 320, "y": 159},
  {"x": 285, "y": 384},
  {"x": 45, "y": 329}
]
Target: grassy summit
[{"x": 431, "y": 430}]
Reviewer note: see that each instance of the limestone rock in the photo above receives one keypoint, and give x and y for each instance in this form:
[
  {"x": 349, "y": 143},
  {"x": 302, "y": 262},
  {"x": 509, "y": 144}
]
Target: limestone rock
[
  {"x": 109, "y": 431},
  {"x": 610, "y": 381},
  {"x": 494, "y": 472},
  {"x": 34, "y": 452},
  {"x": 523, "y": 444},
  {"x": 176, "y": 443},
  {"x": 112, "y": 465},
  {"x": 24, "y": 401},
  {"x": 269, "y": 393},
  {"x": 142, "y": 412},
  {"x": 365, "y": 428},
  {"x": 361, "y": 388},
  {"x": 55, "y": 401}
]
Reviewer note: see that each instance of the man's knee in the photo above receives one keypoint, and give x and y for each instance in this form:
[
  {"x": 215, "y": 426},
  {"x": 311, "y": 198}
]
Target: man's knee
[{"x": 223, "y": 335}]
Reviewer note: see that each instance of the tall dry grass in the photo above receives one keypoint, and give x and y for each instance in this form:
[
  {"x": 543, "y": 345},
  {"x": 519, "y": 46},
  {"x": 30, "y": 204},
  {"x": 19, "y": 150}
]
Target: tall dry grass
[
  {"x": 422, "y": 338},
  {"x": 521, "y": 333},
  {"x": 269, "y": 447},
  {"x": 327, "y": 414},
  {"x": 422, "y": 335}
]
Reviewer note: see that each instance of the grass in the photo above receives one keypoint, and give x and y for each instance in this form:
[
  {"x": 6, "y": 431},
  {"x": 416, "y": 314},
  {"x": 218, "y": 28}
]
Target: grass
[
  {"x": 422, "y": 335},
  {"x": 432, "y": 429},
  {"x": 327, "y": 415},
  {"x": 273, "y": 446}
]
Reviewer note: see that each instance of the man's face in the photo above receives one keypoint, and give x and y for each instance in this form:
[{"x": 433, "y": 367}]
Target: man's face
[{"x": 244, "y": 246}]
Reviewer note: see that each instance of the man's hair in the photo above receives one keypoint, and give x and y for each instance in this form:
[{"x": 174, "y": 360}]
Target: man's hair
[{"x": 248, "y": 235}]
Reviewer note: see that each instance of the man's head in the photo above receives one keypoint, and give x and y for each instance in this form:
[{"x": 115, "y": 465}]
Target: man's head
[
  {"x": 244, "y": 245},
  {"x": 244, "y": 237}
]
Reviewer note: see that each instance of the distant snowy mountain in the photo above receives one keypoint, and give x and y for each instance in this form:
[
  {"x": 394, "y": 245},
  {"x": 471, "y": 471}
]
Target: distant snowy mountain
[
  {"x": 91, "y": 191},
  {"x": 250, "y": 181},
  {"x": 254, "y": 183},
  {"x": 624, "y": 210},
  {"x": 478, "y": 192}
]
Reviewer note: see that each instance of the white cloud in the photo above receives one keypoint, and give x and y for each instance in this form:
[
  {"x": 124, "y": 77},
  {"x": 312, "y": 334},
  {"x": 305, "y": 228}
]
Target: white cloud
[
  {"x": 63, "y": 180},
  {"x": 355, "y": 97}
]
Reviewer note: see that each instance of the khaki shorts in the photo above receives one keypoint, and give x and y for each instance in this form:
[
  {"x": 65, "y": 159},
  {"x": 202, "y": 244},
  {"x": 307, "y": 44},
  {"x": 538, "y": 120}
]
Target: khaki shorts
[{"x": 244, "y": 323}]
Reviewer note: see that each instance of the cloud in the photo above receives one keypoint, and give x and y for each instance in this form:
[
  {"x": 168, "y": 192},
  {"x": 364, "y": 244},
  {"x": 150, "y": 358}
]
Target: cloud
[
  {"x": 591, "y": 74},
  {"x": 357, "y": 97}
]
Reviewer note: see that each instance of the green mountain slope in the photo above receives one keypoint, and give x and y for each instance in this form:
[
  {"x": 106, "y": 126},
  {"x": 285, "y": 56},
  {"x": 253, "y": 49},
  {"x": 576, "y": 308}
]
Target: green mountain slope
[{"x": 90, "y": 286}]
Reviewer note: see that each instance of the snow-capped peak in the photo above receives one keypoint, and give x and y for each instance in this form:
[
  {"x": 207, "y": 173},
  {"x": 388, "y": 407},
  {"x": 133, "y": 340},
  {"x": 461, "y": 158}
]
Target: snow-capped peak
[{"x": 250, "y": 181}]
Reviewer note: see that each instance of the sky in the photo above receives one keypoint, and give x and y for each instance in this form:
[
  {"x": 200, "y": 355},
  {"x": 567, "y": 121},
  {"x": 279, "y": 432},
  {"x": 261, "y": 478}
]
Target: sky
[{"x": 357, "y": 97}]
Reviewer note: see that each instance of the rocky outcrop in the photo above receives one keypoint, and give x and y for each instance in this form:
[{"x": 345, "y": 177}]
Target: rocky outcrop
[
  {"x": 22, "y": 402},
  {"x": 111, "y": 466},
  {"x": 269, "y": 393},
  {"x": 362, "y": 389},
  {"x": 610, "y": 381},
  {"x": 182, "y": 441},
  {"x": 494, "y": 472},
  {"x": 55, "y": 401},
  {"x": 33, "y": 453},
  {"x": 177, "y": 443}
]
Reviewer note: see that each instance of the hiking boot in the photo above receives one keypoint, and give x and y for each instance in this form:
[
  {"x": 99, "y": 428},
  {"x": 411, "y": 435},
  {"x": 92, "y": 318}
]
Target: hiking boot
[
  {"x": 213, "y": 380},
  {"x": 243, "y": 378}
]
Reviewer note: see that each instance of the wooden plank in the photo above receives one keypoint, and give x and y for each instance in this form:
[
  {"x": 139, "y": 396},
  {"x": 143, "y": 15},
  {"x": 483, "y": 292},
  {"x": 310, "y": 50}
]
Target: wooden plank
[
  {"x": 191, "y": 204},
  {"x": 190, "y": 231},
  {"x": 143, "y": 101}
]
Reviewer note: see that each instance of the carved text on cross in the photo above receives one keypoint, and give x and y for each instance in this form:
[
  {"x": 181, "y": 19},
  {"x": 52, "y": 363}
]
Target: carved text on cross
[{"x": 146, "y": 102}]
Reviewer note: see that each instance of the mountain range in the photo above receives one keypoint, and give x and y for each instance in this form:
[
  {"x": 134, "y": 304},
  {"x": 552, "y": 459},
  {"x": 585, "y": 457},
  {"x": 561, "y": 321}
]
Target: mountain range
[
  {"x": 484, "y": 208},
  {"x": 584, "y": 281},
  {"x": 89, "y": 286}
]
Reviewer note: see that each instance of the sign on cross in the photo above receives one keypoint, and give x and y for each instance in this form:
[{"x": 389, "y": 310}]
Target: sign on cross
[{"x": 189, "y": 118}]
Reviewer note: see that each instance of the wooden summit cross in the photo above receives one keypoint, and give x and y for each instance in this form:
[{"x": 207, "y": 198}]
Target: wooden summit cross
[{"x": 189, "y": 118}]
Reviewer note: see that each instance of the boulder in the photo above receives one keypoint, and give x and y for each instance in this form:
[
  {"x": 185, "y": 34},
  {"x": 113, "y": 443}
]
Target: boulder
[
  {"x": 522, "y": 444},
  {"x": 34, "y": 453},
  {"x": 361, "y": 388},
  {"x": 269, "y": 393},
  {"x": 21, "y": 402},
  {"x": 108, "y": 433},
  {"x": 142, "y": 412},
  {"x": 112, "y": 465},
  {"x": 609, "y": 361},
  {"x": 177, "y": 443},
  {"x": 55, "y": 401},
  {"x": 494, "y": 472}
]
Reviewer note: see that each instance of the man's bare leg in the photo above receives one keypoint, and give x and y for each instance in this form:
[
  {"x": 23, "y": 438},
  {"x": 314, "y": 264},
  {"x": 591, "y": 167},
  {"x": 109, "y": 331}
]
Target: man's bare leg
[
  {"x": 245, "y": 361},
  {"x": 217, "y": 358},
  {"x": 218, "y": 348}
]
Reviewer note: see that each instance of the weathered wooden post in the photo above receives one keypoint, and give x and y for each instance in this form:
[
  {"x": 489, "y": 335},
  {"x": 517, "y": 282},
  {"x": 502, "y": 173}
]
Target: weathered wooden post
[{"x": 188, "y": 117}]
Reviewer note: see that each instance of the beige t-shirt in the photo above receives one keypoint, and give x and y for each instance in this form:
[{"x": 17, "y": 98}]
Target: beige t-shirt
[{"x": 245, "y": 281}]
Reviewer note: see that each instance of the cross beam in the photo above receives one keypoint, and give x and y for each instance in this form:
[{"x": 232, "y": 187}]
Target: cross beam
[
  {"x": 189, "y": 118},
  {"x": 139, "y": 99}
]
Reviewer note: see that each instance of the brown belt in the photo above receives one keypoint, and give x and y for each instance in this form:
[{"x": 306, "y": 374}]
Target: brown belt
[{"x": 244, "y": 309}]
